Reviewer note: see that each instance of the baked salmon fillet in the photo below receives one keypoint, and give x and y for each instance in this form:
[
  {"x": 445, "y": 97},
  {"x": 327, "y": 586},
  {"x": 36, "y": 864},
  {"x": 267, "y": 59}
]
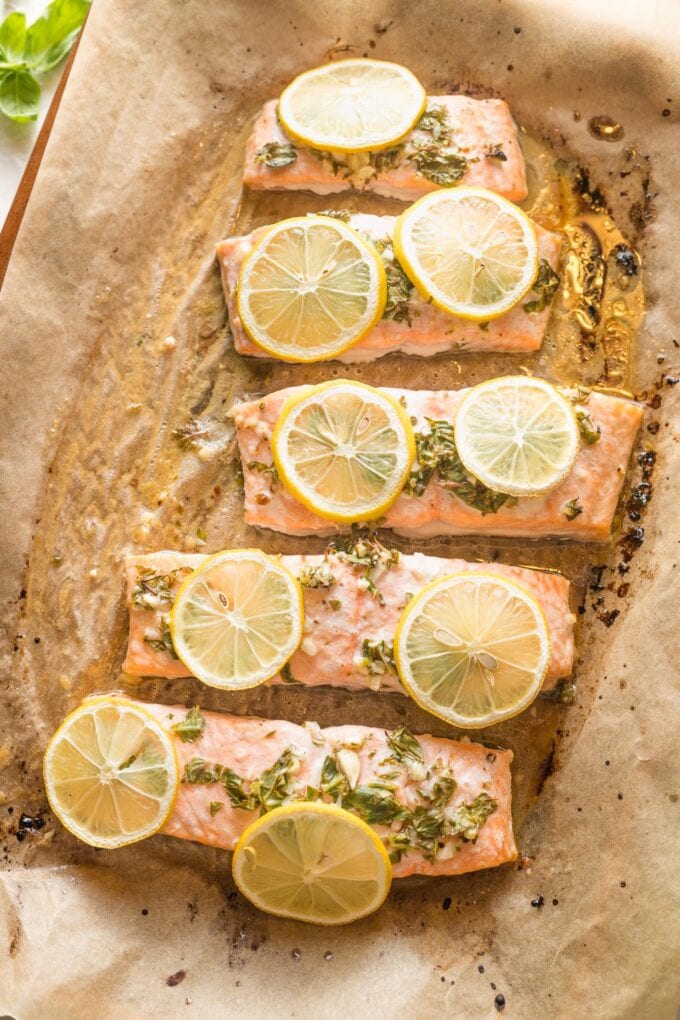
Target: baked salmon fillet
[
  {"x": 353, "y": 600},
  {"x": 582, "y": 507},
  {"x": 463, "y": 787},
  {"x": 411, "y": 324},
  {"x": 479, "y": 135}
]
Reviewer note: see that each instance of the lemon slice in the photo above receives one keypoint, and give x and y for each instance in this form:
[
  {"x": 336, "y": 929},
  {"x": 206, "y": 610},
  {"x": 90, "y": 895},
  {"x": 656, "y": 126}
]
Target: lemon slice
[
  {"x": 312, "y": 862},
  {"x": 472, "y": 648},
  {"x": 311, "y": 288},
  {"x": 516, "y": 435},
  {"x": 344, "y": 450},
  {"x": 237, "y": 619},
  {"x": 473, "y": 253},
  {"x": 352, "y": 105},
  {"x": 111, "y": 773}
]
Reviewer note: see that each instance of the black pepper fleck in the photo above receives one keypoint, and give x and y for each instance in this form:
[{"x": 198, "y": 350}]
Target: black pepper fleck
[
  {"x": 446, "y": 903},
  {"x": 538, "y": 901},
  {"x": 499, "y": 1002},
  {"x": 176, "y": 978}
]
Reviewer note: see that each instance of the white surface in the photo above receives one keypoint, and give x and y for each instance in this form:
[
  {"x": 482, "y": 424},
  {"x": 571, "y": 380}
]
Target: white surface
[{"x": 17, "y": 140}]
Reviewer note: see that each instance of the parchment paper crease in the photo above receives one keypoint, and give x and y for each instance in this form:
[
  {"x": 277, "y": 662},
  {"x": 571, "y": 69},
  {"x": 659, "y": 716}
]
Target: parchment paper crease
[{"x": 139, "y": 180}]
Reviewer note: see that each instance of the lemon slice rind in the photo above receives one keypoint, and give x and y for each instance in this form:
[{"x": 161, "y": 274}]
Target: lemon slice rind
[
  {"x": 127, "y": 787},
  {"x": 310, "y": 882},
  {"x": 280, "y": 628},
  {"x": 480, "y": 235},
  {"x": 384, "y": 111},
  {"x": 402, "y": 450},
  {"x": 488, "y": 680},
  {"x": 485, "y": 453},
  {"x": 309, "y": 298}
]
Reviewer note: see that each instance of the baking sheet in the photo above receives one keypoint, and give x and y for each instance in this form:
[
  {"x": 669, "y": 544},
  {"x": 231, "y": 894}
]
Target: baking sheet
[{"x": 140, "y": 177}]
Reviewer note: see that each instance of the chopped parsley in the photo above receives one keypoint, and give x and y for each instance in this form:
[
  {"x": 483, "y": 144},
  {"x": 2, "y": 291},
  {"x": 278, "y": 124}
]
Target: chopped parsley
[
  {"x": 468, "y": 819},
  {"x": 437, "y": 457},
  {"x": 268, "y": 791},
  {"x": 572, "y": 509},
  {"x": 590, "y": 432},
  {"x": 404, "y": 745},
  {"x": 545, "y": 285},
  {"x": 191, "y": 727},
  {"x": 276, "y": 154},
  {"x": 345, "y": 215},
  {"x": 286, "y": 675},
  {"x": 162, "y": 642},
  {"x": 188, "y": 436},
  {"x": 154, "y": 590},
  {"x": 371, "y": 555},
  {"x": 376, "y": 804},
  {"x": 377, "y": 658},
  {"x": 265, "y": 469},
  {"x": 435, "y": 120},
  {"x": 334, "y": 782},
  {"x": 399, "y": 287},
  {"x": 437, "y": 165},
  {"x": 316, "y": 577}
]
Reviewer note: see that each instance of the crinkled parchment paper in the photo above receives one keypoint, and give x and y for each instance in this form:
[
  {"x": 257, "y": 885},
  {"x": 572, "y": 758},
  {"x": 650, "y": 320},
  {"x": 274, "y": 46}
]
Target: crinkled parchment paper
[{"x": 140, "y": 178}]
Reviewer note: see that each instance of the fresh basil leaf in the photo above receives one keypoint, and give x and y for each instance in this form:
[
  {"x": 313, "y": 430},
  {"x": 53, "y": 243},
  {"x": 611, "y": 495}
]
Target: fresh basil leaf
[
  {"x": 13, "y": 38},
  {"x": 19, "y": 96},
  {"x": 49, "y": 39}
]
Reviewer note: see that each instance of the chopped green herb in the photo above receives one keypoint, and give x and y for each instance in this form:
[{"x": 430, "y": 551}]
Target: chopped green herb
[
  {"x": 198, "y": 772},
  {"x": 271, "y": 789},
  {"x": 442, "y": 790},
  {"x": 337, "y": 214},
  {"x": 286, "y": 675},
  {"x": 403, "y": 744},
  {"x": 436, "y": 165},
  {"x": 545, "y": 285},
  {"x": 191, "y": 727},
  {"x": 266, "y": 792},
  {"x": 428, "y": 827},
  {"x": 399, "y": 287},
  {"x": 335, "y": 604},
  {"x": 276, "y": 154},
  {"x": 201, "y": 534},
  {"x": 386, "y": 159},
  {"x": 437, "y": 456},
  {"x": 154, "y": 590},
  {"x": 316, "y": 577},
  {"x": 564, "y": 693},
  {"x": 468, "y": 819},
  {"x": 572, "y": 509},
  {"x": 334, "y": 782},
  {"x": 188, "y": 436},
  {"x": 162, "y": 643},
  {"x": 435, "y": 120},
  {"x": 215, "y": 806},
  {"x": 376, "y": 805},
  {"x": 369, "y": 553},
  {"x": 483, "y": 326},
  {"x": 128, "y": 762},
  {"x": 378, "y": 657},
  {"x": 590, "y": 432},
  {"x": 270, "y": 469}
]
